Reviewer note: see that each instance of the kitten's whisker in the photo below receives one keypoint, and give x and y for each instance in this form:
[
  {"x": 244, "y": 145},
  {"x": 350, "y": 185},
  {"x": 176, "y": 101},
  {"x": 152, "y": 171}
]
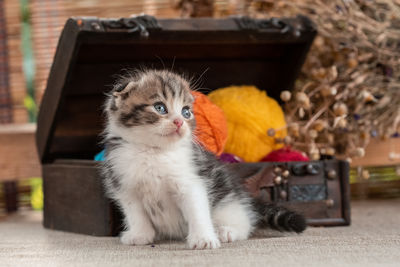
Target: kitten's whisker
[
  {"x": 197, "y": 141},
  {"x": 162, "y": 62},
  {"x": 198, "y": 80},
  {"x": 197, "y": 85},
  {"x": 204, "y": 72},
  {"x": 173, "y": 63}
]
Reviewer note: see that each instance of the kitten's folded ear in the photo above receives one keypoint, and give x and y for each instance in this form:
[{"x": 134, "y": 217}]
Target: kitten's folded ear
[
  {"x": 121, "y": 91},
  {"x": 123, "y": 88}
]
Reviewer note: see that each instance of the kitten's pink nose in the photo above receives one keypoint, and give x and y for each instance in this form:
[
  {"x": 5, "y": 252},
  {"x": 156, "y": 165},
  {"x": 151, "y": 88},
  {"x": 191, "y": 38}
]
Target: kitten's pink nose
[{"x": 178, "y": 123}]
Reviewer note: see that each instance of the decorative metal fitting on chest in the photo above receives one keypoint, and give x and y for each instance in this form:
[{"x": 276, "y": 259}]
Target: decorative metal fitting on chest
[
  {"x": 301, "y": 169},
  {"x": 135, "y": 24},
  {"x": 332, "y": 174}
]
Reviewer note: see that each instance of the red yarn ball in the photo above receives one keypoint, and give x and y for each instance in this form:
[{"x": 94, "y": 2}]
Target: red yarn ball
[{"x": 285, "y": 154}]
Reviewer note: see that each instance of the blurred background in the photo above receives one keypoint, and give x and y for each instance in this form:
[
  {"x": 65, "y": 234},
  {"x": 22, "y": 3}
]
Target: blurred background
[{"x": 355, "y": 59}]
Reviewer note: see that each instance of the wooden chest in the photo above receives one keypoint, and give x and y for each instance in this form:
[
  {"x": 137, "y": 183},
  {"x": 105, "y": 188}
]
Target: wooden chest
[{"x": 265, "y": 53}]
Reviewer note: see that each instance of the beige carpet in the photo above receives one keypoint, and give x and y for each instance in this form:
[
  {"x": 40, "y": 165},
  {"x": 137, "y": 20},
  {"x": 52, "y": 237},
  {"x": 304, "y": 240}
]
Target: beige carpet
[{"x": 372, "y": 240}]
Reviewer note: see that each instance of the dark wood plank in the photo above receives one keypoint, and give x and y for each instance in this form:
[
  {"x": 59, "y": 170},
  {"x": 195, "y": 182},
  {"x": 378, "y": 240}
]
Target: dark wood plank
[
  {"x": 63, "y": 62},
  {"x": 75, "y": 202},
  {"x": 143, "y": 51},
  {"x": 335, "y": 199},
  {"x": 10, "y": 196},
  {"x": 345, "y": 190}
]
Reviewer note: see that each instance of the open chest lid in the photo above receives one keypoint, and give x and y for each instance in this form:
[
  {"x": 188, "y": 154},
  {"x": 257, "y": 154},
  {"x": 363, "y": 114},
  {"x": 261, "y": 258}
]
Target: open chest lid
[{"x": 267, "y": 53}]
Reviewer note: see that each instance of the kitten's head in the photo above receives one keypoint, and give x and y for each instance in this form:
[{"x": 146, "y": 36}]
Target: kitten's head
[{"x": 153, "y": 108}]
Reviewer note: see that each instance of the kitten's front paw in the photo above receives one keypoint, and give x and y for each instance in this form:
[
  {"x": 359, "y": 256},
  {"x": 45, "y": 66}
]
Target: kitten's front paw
[
  {"x": 227, "y": 234},
  {"x": 138, "y": 238},
  {"x": 203, "y": 242}
]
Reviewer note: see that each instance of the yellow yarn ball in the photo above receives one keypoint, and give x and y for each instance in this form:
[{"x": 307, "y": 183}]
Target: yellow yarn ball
[{"x": 250, "y": 113}]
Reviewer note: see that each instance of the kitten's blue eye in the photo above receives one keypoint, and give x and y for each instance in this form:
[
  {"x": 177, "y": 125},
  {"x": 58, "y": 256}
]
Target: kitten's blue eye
[
  {"x": 186, "y": 112},
  {"x": 161, "y": 108}
]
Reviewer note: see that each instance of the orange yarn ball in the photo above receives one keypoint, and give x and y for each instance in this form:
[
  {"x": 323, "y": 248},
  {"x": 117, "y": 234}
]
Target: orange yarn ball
[{"x": 211, "y": 126}]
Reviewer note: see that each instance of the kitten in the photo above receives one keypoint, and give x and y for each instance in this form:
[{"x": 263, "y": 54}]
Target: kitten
[{"x": 166, "y": 185}]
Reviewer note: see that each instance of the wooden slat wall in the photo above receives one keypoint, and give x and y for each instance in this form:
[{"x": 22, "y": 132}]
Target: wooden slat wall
[
  {"x": 18, "y": 156},
  {"x": 378, "y": 153},
  {"x": 5, "y": 94},
  {"x": 47, "y": 21},
  {"x": 16, "y": 77}
]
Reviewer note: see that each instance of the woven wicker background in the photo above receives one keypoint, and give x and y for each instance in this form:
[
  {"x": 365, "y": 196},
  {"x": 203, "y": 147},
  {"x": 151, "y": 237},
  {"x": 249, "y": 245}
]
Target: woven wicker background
[
  {"x": 5, "y": 94},
  {"x": 48, "y": 18},
  {"x": 16, "y": 79}
]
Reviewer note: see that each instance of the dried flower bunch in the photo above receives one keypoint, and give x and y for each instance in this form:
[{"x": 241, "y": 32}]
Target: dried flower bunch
[
  {"x": 194, "y": 8},
  {"x": 349, "y": 89}
]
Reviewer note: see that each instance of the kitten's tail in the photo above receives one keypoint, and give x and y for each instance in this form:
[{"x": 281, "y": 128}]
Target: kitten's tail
[{"x": 279, "y": 218}]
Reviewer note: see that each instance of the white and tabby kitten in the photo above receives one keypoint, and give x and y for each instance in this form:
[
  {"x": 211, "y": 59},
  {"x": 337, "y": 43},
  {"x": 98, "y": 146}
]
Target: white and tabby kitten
[{"x": 165, "y": 184}]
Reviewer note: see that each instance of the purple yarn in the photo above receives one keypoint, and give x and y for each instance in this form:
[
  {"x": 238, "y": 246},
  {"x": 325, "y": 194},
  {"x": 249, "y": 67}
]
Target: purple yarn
[{"x": 230, "y": 158}]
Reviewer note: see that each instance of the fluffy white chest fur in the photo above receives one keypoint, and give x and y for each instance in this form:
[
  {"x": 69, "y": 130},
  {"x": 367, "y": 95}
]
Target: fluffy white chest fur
[{"x": 159, "y": 181}]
